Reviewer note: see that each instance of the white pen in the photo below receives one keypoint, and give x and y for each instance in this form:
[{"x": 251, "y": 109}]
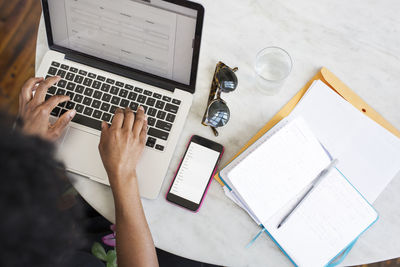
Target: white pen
[{"x": 313, "y": 184}]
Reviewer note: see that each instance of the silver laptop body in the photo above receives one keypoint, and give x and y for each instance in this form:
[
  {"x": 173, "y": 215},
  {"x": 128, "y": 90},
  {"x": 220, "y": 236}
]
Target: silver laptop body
[{"x": 122, "y": 53}]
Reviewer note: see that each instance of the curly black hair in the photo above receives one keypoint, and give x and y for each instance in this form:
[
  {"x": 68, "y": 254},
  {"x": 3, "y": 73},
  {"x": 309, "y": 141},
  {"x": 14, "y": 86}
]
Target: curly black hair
[{"x": 34, "y": 231}]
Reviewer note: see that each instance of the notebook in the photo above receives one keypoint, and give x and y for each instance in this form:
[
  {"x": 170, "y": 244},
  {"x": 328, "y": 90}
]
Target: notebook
[{"x": 275, "y": 172}]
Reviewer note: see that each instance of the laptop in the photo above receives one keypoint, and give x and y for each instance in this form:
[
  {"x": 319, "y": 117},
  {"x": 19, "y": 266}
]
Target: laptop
[{"x": 122, "y": 53}]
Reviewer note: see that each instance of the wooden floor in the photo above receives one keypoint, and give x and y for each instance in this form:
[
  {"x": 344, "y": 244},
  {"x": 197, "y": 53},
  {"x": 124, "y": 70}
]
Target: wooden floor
[{"x": 19, "y": 21}]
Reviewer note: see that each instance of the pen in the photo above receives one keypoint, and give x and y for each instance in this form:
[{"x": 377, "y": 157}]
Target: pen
[{"x": 313, "y": 183}]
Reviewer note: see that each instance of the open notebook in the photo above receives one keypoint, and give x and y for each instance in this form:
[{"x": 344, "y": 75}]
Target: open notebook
[{"x": 277, "y": 170}]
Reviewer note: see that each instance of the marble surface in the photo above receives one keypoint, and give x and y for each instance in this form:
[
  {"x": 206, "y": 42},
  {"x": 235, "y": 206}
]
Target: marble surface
[{"x": 357, "y": 40}]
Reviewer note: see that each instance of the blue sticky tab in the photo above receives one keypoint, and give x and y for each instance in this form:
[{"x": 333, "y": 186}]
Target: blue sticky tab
[
  {"x": 337, "y": 260},
  {"x": 255, "y": 238}
]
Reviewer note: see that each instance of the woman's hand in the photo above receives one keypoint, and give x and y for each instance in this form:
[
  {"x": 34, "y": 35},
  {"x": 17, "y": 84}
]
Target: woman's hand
[
  {"x": 121, "y": 146},
  {"x": 35, "y": 111}
]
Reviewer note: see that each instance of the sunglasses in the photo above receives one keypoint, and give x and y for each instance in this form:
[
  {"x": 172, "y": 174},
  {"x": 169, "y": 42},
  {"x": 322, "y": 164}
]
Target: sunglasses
[{"x": 217, "y": 113}]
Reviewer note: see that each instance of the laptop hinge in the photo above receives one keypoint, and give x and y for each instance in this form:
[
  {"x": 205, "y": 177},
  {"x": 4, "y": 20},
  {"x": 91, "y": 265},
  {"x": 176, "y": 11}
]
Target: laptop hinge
[{"x": 128, "y": 73}]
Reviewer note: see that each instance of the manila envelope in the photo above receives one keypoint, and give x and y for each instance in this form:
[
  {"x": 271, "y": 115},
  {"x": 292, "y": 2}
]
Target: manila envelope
[{"x": 336, "y": 85}]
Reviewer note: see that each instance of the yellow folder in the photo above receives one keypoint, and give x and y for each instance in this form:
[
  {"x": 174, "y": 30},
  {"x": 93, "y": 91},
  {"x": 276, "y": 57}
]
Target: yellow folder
[{"x": 335, "y": 84}]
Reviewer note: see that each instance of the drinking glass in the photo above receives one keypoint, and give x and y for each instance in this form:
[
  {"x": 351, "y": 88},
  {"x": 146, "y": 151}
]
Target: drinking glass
[{"x": 272, "y": 67}]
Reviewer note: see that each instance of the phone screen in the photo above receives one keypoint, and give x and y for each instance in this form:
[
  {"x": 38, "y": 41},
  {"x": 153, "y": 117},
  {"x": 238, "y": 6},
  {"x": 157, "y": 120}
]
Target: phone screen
[{"x": 194, "y": 174}]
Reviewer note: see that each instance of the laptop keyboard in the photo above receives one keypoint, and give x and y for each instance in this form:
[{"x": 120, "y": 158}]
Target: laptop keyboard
[{"x": 95, "y": 98}]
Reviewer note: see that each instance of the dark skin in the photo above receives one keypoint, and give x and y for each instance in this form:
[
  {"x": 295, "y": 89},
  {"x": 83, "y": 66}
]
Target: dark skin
[{"x": 121, "y": 146}]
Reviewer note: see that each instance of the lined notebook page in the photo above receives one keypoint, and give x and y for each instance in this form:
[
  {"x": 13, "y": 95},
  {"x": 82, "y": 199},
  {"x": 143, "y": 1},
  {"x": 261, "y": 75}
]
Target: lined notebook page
[
  {"x": 326, "y": 222},
  {"x": 280, "y": 168}
]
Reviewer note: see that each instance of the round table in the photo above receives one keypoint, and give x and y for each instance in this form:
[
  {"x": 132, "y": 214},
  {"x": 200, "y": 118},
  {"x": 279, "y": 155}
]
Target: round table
[{"x": 358, "y": 41}]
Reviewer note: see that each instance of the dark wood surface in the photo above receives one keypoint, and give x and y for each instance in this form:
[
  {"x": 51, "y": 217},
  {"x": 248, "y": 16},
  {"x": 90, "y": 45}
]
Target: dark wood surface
[{"x": 19, "y": 20}]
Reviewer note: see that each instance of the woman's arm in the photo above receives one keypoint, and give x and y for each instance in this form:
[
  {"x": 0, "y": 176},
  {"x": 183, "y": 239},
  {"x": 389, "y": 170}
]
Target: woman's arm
[{"x": 121, "y": 146}]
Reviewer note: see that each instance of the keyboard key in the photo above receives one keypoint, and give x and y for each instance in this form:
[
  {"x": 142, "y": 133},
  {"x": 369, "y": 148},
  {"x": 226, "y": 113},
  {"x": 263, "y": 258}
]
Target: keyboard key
[
  {"x": 158, "y": 133},
  {"x": 92, "y": 75},
  {"x": 97, "y": 114},
  {"x": 82, "y": 72},
  {"x": 60, "y": 92},
  {"x": 97, "y": 94},
  {"x": 87, "y": 101},
  {"x": 52, "y": 90},
  {"x": 79, "y": 108},
  {"x": 62, "y": 83},
  {"x": 124, "y": 103},
  {"x": 106, "y": 97},
  {"x": 114, "y": 90},
  {"x": 160, "y": 104},
  {"x": 47, "y": 97},
  {"x": 61, "y": 105},
  {"x": 105, "y": 107},
  {"x": 71, "y": 86},
  {"x": 64, "y": 67},
  {"x": 160, "y": 147},
  {"x": 88, "y": 91},
  {"x": 74, "y": 70},
  {"x": 150, "y": 101},
  {"x": 61, "y": 73},
  {"x": 62, "y": 112},
  {"x": 147, "y": 92},
  {"x": 123, "y": 93},
  {"x": 55, "y": 64},
  {"x": 170, "y": 117},
  {"x": 164, "y": 125},
  {"x": 171, "y": 108},
  {"x": 78, "y": 79},
  {"x": 96, "y": 104},
  {"x": 151, "y": 141},
  {"x": 133, "y": 106},
  {"x": 129, "y": 87},
  {"x": 70, "y": 76},
  {"x": 161, "y": 114},
  {"x": 52, "y": 71},
  {"x": 101, "y": 78},
  {"x": 119, "y": 84},
  {"x": 88, "y": 111},
  {"x": 176, "y": 101},
  {"x": 70, "y": 105},
  {"x": 152, "y": 112},
  {"x": 115, "y": 100},
  {"x": 166, "y": 98},
  {"x": 55, "y": 111},
  {"x": 86, "y": 121},
  {"x": 113, "y": 109},
  {"x": 78, "y": 98},
  {"x": 106, "y": 117},
  {"x": 105, "y": 87},
  {"x": 141, "y": 99},
  {"x": 145, "y": 108},
  {"x": 110, "y": 81},
  {"x": 151, "y": 121},
  {"x": 96, "y": 84},
  {"x": 70, "y": 94},
  {"x": 79, "y": 89},
  {"x": 158, "y": 96},
  {"x": 139, "y": 90},
  {"x": 87, "y": 82},
  {"x": 132, "y": 96}
]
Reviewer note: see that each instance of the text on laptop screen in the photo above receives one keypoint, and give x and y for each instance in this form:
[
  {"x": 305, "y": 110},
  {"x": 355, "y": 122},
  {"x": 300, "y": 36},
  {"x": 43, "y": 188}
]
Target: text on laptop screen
[{"x": 152, "y": 36}]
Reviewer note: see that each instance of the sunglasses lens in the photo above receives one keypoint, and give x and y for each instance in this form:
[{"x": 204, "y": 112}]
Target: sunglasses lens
[
  {"x": 227, "y": 80},
  {"x": 218, "y": 114}
]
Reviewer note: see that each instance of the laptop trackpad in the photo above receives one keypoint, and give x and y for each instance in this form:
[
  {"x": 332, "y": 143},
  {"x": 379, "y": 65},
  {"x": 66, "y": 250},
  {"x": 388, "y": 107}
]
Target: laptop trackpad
[{"x": 81, "y": 155}]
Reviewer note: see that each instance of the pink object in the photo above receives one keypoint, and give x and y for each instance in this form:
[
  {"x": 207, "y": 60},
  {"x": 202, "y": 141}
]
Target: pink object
[
  {"x": 208, "y": 185},
  {"x": 109, "y": 240}
]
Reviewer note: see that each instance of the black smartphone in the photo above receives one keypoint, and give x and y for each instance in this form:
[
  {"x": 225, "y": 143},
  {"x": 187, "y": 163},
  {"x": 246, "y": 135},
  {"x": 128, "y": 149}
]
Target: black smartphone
[{"x": 194, "y": 173}]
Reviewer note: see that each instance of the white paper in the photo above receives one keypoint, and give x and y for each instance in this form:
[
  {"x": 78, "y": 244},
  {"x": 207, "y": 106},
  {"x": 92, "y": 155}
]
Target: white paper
[{"x": 369, "y": 155}]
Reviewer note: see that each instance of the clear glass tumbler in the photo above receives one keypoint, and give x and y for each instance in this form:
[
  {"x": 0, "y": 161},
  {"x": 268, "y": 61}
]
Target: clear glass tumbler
[{"x": 272, "y": 67}]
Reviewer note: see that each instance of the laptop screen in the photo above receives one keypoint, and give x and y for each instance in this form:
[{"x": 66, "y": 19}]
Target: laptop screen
[{"x": 153, "y": 36}]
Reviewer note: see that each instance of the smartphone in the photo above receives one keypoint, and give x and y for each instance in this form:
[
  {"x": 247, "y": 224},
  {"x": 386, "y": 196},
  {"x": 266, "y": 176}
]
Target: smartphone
[{"x": 194, "y": 173}]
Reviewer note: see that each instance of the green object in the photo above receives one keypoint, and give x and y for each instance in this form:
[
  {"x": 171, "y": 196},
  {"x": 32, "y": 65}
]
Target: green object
[
  {"x": 99, "y": 252},
  {"x": 111, "y": 258}
]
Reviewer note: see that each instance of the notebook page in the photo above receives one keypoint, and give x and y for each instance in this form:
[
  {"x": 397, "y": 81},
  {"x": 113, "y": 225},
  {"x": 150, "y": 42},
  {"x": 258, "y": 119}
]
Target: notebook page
[
  {"x": 326, "y": 222},
  {"x": 369, "y": 155},
  {"x": 276, "y": 171}
]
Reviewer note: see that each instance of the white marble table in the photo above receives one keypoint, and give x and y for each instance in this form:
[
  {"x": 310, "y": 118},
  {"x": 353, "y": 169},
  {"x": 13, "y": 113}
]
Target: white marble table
[{"x": 357, "y": 40}]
